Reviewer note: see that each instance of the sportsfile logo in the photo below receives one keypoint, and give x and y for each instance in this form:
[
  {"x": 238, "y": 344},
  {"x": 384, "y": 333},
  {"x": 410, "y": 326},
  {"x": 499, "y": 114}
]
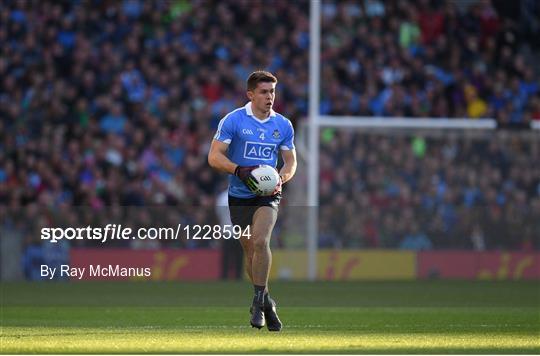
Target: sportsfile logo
[{"x": 257, "y": 150}]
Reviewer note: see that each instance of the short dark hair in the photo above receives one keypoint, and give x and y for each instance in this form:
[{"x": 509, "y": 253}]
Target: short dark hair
[{"x": 260, "y": 76}]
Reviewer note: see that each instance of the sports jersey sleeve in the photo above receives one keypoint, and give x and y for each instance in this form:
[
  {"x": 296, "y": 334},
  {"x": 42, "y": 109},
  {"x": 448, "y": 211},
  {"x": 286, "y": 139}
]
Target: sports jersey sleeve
[
  {"x": 288, "y": 141},
  {"x": 225, "y": 130}
]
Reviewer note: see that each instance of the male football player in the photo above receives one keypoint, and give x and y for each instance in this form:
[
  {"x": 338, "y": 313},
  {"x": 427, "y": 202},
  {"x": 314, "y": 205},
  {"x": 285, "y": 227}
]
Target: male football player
[{"x": 246, "y": 138}]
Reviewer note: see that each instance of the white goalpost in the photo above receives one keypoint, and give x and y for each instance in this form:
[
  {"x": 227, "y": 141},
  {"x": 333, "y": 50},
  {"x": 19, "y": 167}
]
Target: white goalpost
[{"x": 313, "y": 141}]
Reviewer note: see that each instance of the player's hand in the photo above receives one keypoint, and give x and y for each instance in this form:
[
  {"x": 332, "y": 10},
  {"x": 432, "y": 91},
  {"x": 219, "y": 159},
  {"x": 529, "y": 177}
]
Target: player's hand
[
  {"x": 278, "y": 187},
  {"x": 244, "y": 174}
]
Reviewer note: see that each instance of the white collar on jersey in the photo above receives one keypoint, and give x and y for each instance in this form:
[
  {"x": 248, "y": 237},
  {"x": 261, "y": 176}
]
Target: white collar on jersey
[{"x": 249, "y": 111}]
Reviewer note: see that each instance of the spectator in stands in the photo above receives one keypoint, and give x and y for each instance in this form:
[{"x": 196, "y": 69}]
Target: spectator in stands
[{"x": 415, "y": 240}]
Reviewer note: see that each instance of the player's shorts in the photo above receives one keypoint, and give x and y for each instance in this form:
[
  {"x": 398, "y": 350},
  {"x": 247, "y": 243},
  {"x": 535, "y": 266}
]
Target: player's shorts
[{"x": 242, "y": 210}]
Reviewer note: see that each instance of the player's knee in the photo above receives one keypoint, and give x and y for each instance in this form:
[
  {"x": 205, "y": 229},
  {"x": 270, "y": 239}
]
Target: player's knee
[{"x": 261, "y": 244}]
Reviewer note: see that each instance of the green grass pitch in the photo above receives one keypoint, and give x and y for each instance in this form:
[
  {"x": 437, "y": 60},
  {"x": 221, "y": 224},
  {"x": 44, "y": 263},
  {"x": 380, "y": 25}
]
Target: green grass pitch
[{"x": 323, "y": 317}]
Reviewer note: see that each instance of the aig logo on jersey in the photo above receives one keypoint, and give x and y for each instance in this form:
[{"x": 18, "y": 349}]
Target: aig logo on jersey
[{"x": 257, "y": 150}]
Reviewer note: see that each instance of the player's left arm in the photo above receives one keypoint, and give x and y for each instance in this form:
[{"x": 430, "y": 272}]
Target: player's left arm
[
  {"x": 289, "y": 165},
  {"x": 288, "y": 153}
]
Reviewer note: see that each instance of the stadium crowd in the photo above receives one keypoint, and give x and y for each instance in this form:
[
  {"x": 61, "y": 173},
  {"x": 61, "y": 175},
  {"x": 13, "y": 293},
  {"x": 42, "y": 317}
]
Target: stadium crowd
[
  {"x": 110, "y": 104},
  {"x": 430, "y": 59},
  {"x": 401, "y": 191}
]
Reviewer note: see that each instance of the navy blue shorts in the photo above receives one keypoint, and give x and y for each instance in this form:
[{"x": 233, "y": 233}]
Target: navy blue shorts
[{"x": 242, "y": 210}]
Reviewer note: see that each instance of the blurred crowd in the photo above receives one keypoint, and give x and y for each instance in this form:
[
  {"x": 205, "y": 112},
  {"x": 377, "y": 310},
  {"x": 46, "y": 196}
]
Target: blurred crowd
[
  {"x": 399, "y": 191},
  {"x": 432, "y": 59},
  {"x": 114, "y": 103}
]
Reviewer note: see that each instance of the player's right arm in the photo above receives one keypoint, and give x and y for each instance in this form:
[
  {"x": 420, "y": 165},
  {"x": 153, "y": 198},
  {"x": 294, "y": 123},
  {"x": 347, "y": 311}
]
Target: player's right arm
[{"x": 217, "y": 157}]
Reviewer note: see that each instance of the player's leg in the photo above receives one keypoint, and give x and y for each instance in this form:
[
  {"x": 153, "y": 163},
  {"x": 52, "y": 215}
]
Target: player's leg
[
  {"x": 264, "y": 220},
  {"x": 241, "y": 213},
  {"x": 263, "y": 223},
  {"x": 238, "y": 261},
  {"x": 247, "y": 247},
  {"x": 270, "y": 313}
]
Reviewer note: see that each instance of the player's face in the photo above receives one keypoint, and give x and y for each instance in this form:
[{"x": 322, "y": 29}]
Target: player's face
[{"x": 262, "y": 98}]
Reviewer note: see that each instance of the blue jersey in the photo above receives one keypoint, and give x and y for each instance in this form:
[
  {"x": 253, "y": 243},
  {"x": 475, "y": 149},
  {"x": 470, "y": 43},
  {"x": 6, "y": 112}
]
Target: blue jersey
[{"x": 253, "y": 141}]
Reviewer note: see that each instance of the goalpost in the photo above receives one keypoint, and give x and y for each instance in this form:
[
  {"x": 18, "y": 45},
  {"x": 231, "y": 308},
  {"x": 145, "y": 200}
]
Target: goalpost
[
  {"x": 317, "y": 121},
  {"x": 313, "y": 138}
]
